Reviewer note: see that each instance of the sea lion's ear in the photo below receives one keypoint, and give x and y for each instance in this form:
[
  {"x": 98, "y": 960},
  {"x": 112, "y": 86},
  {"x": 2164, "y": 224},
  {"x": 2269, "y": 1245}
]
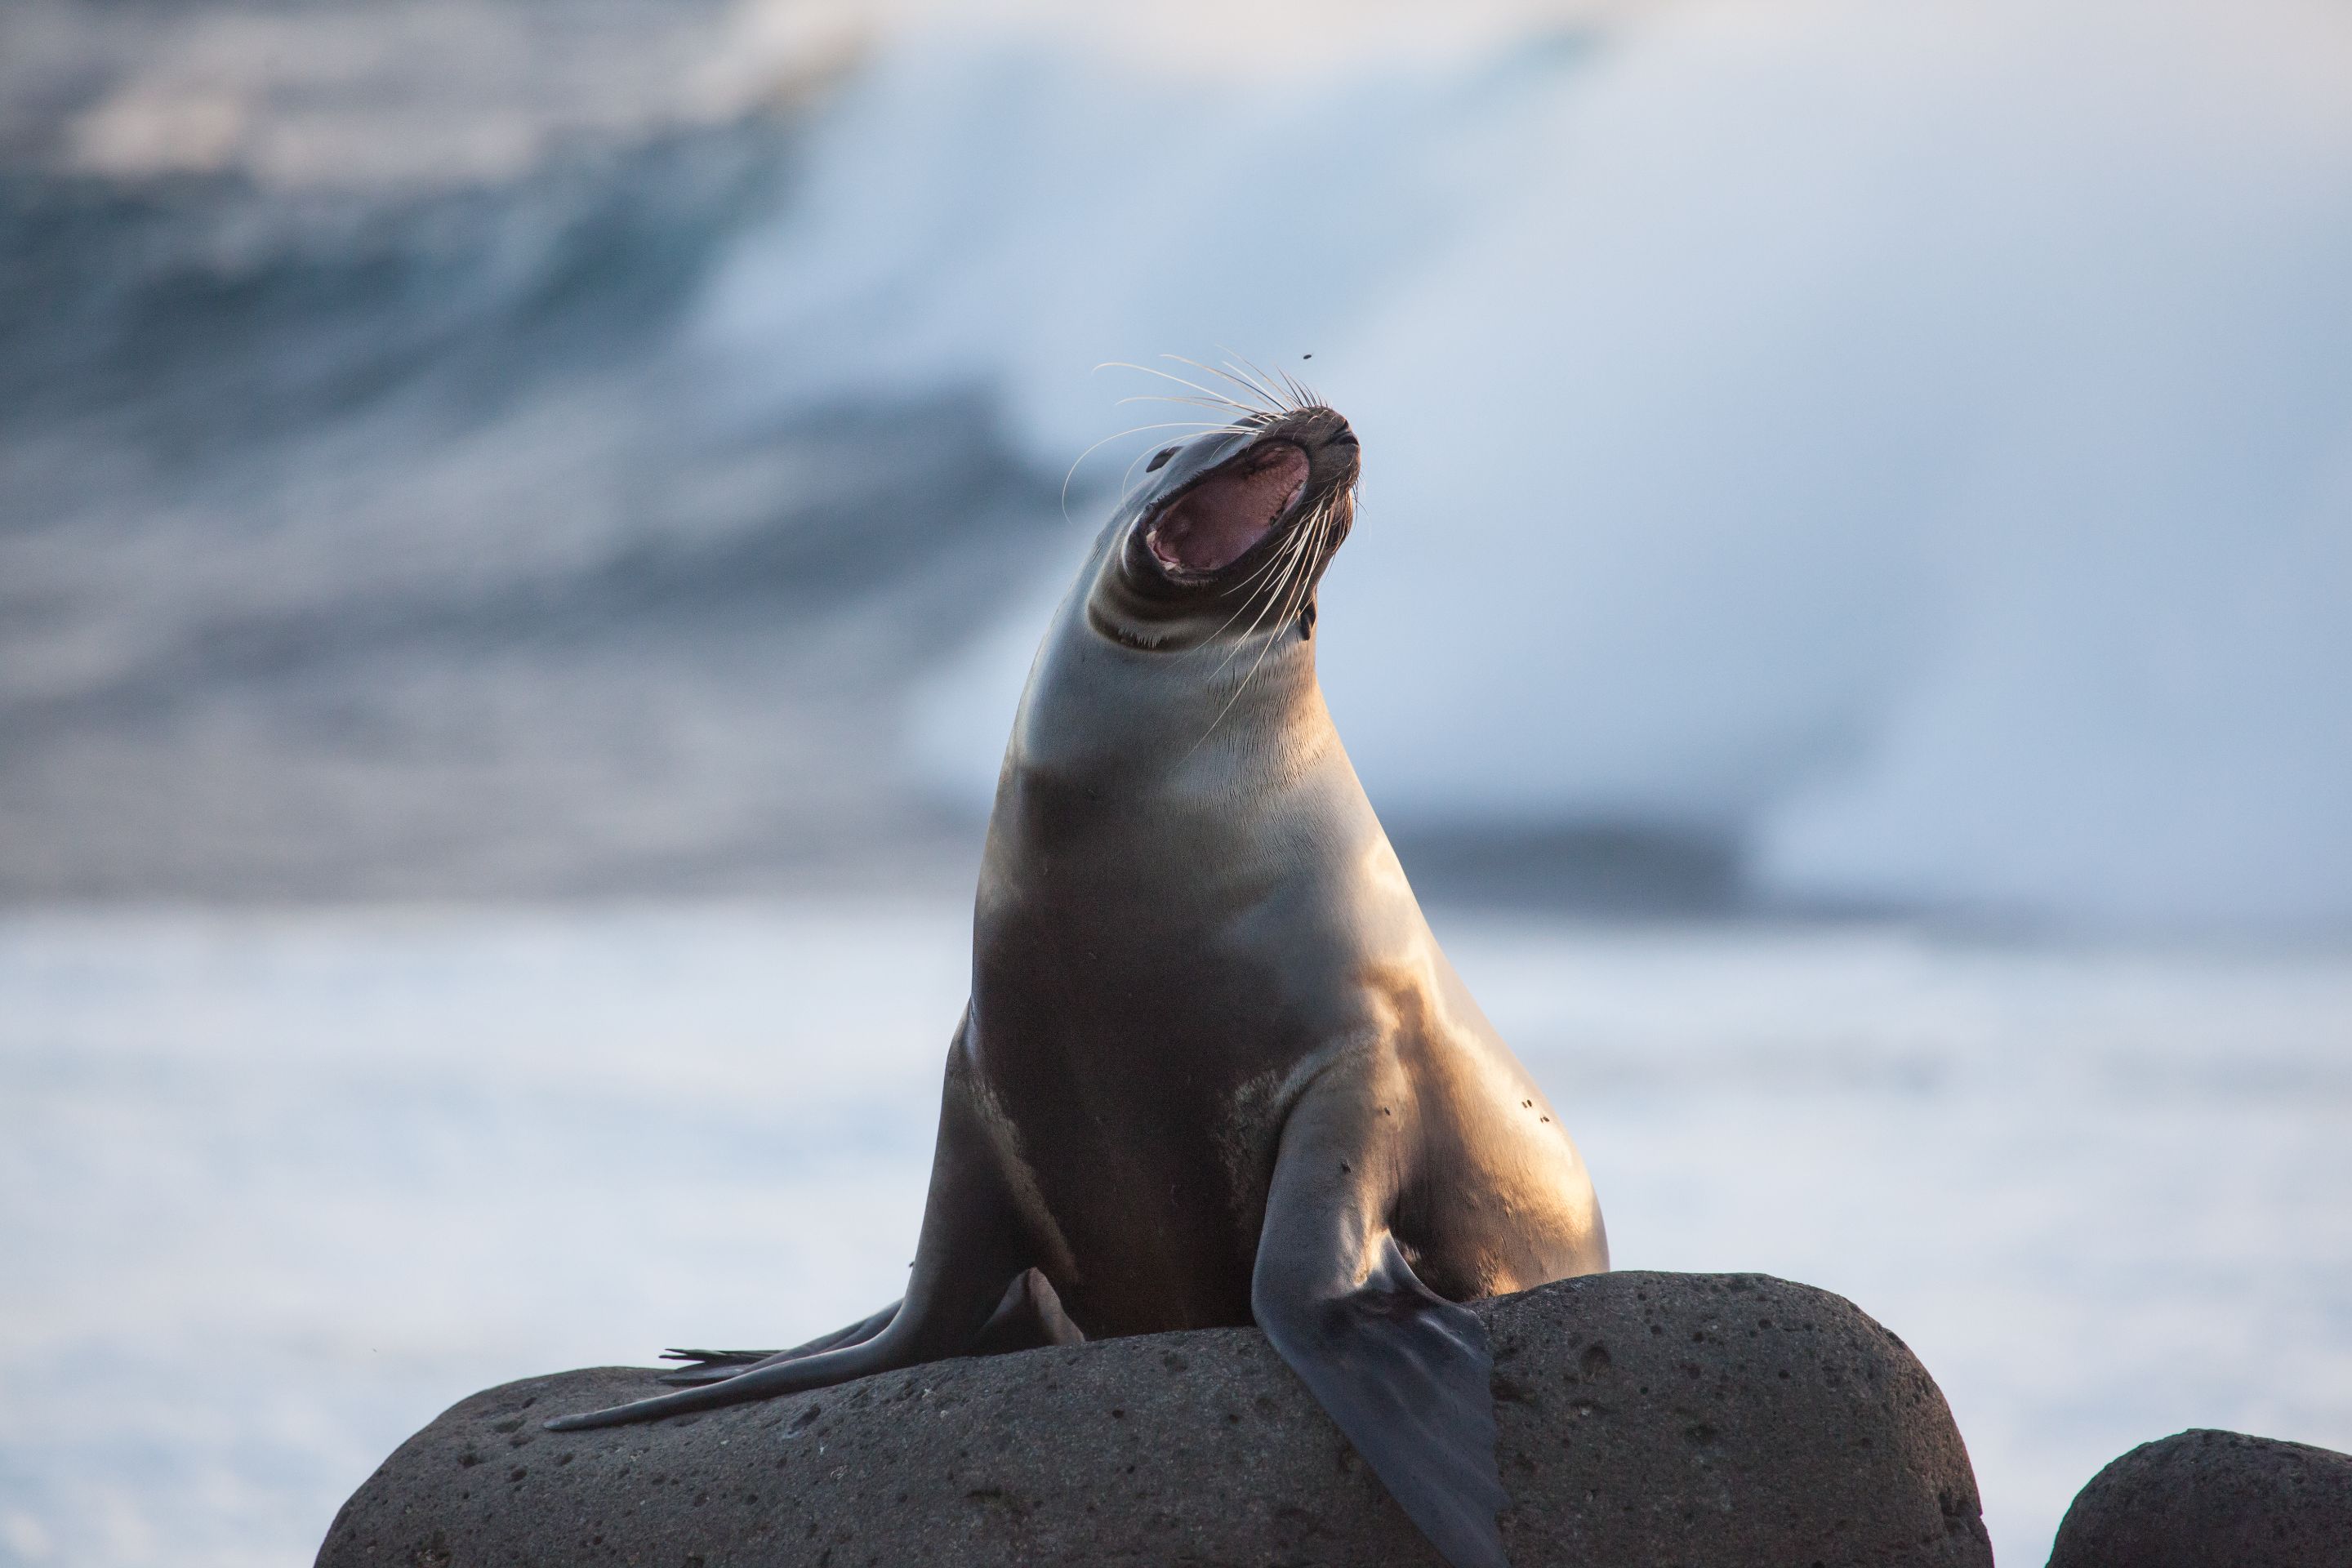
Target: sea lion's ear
[{"x": 1402, "y": 1370}]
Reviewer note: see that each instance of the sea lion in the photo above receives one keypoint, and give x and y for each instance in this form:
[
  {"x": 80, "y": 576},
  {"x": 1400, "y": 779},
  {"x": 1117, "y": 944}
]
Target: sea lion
[{"x": 1214, "y": 1069}]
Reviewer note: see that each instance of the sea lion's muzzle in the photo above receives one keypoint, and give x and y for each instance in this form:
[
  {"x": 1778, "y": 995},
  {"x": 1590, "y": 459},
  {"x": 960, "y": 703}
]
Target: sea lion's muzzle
[
  {"x": 1210, "y": 521},
  {"x": 1233, "y": 538}
]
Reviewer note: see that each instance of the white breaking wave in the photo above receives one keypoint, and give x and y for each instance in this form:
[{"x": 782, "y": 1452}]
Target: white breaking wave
[{"x": 1916, "y": 442}]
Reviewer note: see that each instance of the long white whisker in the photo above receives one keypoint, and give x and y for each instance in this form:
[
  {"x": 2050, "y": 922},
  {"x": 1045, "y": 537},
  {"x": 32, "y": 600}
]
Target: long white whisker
[
  {"x": 1247, "y": 413},
  {"x": 1218, "y": 397},
  {"x": 1249, "y": 369},
  {"x": 1265, "y": 397},
  {"x": 1299, "y": 578},
  {"x": 1294, "y": 397},
  {"x": 1294, "y": 558},
  {"x": 1246, "y": 586},
  {"x": 1281, "y": 558},
  {"x": 1240, "y": 368}
]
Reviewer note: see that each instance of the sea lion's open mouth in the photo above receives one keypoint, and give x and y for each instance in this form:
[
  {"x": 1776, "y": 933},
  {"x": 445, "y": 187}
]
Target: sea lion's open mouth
[{"x": 1215, "y": 523}]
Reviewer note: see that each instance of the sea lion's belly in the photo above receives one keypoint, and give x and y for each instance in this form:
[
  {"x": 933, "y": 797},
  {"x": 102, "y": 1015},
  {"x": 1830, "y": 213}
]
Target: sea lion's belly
[
  {"x": 1142, "y": 1061},
  {"x": 1143, "y": 1114}
]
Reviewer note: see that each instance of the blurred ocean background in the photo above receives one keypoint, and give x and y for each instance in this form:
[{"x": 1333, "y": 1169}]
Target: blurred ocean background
[{"x": 521, "y": 525}]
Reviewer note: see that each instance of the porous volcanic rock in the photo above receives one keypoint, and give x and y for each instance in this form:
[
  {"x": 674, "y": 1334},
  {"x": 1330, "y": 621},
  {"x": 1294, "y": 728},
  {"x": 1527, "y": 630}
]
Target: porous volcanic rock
[
  {"x": 2203, "y": 1499},
  {"x": 1694, "y": 1420}
]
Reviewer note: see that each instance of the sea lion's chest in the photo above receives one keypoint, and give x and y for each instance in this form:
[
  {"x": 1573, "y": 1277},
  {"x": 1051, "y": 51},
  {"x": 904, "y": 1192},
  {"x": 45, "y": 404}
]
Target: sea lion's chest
[{"x": 1125, "y": 1039}]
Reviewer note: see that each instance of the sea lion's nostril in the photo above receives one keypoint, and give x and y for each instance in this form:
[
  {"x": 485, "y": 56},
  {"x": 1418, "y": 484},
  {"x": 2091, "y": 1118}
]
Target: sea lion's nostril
[{"x": 1161, "y": 462}]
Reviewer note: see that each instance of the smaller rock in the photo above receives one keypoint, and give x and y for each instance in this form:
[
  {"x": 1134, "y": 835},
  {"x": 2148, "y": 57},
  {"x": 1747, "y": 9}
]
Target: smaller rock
[{"x": 2212, "y": 1500}]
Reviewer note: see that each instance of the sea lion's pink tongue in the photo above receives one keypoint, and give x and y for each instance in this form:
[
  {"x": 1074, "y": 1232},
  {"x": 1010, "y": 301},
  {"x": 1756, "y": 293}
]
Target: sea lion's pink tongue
[{"x": 1214, "y": 524}]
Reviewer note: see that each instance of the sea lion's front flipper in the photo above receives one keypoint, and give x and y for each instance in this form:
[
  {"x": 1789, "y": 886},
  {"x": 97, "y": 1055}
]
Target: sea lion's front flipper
[
  {"x": 1401, "y": 1368},
  {"x": 973, "y": 1243}
]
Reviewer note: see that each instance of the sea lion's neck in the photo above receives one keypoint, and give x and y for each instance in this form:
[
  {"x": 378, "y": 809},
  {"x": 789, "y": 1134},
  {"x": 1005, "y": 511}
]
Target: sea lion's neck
[
  {"x": 1124, "y": 754},
  {"x": 1140, "y": 723}
]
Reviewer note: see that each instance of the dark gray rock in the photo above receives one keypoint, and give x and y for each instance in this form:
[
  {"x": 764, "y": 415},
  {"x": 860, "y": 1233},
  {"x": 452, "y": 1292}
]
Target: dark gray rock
[
  {"x": 1693, "y": 1420},
  {"x": 2212, "y": 1500}
]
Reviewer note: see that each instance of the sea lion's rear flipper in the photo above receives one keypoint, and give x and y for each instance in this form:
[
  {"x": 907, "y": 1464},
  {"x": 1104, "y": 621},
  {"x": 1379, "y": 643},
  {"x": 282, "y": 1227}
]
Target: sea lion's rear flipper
[
  {"x": 973, "y": 1243},
  {"x": 714, "y": 1366},
  {"x": 1401, "y": 1368}
]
